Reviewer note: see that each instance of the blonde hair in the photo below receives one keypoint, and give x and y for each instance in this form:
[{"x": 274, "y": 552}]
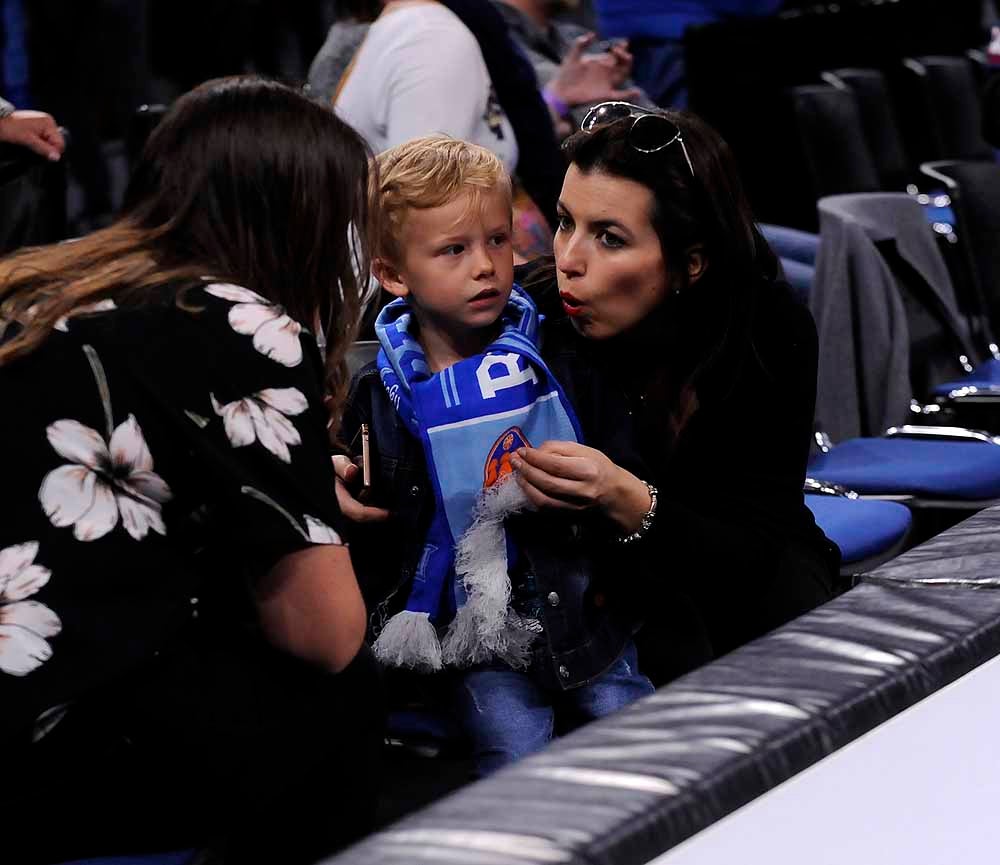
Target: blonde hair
[{"x": 423, "y": 173}]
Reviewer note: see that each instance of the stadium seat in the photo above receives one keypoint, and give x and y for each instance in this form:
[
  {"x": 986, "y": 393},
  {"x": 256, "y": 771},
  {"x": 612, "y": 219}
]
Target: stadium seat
[
  {"x": 361, "y": 352},
  {"x": 791, "y": 243},
  {"x": 179, "y": 857},
  {"x": 143, "y": 121},
  {"x": 913, "y": 305},
  {"x": 32, "y": 198},
  {"x": 878, "y": 119},
  {"x": 428, "y": 729},
  {"x": 945, "y": 116},
  {"x": 936, "y": 471},
  {"x": 974, "y": 187},
  {"x": 837, "y": 156},
  {"x": 867, "y": 532}
]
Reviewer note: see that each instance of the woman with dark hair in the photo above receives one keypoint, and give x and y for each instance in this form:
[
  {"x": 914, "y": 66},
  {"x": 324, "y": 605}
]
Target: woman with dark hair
[
  {"x": 181, "y": 631},
  {"x": 693, "y": 371}
]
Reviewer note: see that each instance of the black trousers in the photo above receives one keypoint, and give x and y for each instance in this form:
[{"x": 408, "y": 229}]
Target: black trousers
[{"x": 228, "y": 746}]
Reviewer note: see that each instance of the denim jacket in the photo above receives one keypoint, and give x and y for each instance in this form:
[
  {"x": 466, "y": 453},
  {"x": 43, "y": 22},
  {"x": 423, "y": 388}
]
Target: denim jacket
[{"x": 585, "y": 628}]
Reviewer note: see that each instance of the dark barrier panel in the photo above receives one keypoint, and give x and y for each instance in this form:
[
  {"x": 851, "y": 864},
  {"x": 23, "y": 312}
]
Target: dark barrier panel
[{"x": 629, "y": 787}]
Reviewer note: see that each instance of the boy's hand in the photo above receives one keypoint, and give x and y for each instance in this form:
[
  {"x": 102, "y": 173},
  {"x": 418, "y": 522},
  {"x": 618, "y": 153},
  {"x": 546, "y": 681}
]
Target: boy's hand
[{"x": 347, "y": 473}]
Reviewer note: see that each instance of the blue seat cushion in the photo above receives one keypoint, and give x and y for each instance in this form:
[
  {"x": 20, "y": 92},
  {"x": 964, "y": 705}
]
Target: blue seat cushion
[
  {"x": 177, "y": 857},
  {"x": 961, "y": 471},
  {"x": 861, "y": 528},
  {"x": 986, "y": 377},
  {"x": 800, "y": 277},
  {"x": 791, "y": 243},
  {"x": 423, "y": 725},
  {"x": 939, "y": 214}
]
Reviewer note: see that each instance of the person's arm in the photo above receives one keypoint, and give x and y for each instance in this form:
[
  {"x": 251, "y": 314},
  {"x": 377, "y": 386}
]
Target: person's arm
[
  {"x": 32, "y": 129},
  {"x": 587, "y": 79},
  {"x": 310, "y": 606}
]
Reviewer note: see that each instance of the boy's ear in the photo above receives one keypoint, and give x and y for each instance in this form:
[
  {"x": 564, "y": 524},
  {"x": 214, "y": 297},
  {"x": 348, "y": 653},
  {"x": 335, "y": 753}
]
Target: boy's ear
[
  {"x": 389, "y": 276},
  {"x": 697, "y": 262}
]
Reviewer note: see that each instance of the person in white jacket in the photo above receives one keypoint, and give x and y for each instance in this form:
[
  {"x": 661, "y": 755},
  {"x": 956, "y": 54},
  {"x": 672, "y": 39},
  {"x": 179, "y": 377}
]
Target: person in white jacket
[{"x": 420, "y": 71}]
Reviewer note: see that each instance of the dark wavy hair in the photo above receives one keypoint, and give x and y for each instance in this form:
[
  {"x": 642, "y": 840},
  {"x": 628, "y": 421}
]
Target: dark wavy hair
[
  {"x": 702, "y": 324},
  {"x": 246, "y": 180}
]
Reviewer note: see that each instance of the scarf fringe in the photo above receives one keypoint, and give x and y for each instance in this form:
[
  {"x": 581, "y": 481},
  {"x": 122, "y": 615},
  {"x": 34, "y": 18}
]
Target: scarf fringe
[
  {"x": 485, "y": 627},
  {"x": 466, "y": 644},
  {"x": 409, "y": 640}
]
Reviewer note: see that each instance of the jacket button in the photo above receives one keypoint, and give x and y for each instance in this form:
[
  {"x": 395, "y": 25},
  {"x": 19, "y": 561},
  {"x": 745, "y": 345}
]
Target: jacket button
[
  {"x": 553, "y": 599},
  {"x": 414, "y": 491},
  {"x": 563, "y": 671}
]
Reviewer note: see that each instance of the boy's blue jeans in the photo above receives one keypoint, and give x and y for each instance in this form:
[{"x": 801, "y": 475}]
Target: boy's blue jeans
[{"x": 508, "y": 714}]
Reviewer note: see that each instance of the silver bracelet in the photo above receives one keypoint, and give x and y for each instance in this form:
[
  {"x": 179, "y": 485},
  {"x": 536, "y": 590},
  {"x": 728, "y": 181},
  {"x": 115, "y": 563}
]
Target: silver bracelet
[
  {"x": 647, "y": 519},
  {"x": 6, "y": 109}
]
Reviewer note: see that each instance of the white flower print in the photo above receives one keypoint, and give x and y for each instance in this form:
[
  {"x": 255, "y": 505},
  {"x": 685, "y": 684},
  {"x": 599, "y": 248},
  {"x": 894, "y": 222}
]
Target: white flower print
[
  {"x": 319, "y": 532},
  {"x": 105, "y": 305},
  {"x": 103, "y": 481},
  {"x": 275, "y": 334},
  {"x": 263, "y": 417},
  {"x": 24, "y": 625}
]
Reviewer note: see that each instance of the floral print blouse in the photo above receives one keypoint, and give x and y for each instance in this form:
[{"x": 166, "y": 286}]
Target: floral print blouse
[{"x": 155, "y": 452}]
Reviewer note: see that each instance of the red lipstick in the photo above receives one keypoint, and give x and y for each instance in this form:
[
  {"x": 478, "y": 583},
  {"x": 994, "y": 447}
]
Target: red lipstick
[{"x": 570, "y": 303}]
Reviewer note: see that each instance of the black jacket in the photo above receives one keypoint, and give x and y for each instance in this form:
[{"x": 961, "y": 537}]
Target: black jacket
[
  {"x": 585, "y": 618},
  {"x": 733, "y": 551}
]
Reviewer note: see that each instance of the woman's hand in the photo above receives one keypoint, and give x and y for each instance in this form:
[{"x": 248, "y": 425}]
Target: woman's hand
[
  {"x": 350, "y": 507},
  {"x": 572, "y": 476}
]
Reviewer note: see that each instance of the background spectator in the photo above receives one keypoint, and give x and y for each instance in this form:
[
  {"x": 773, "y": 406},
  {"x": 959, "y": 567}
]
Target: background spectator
[
  {"x": 419, "y": 71},
  {"x": 571, "y": 79},
  {"x": 182, "y": 630}
]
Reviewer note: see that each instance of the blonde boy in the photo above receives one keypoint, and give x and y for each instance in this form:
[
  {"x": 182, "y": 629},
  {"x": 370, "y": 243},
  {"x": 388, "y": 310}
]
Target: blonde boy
[
  {"x": 459, "y": 387},
  {"x": 443, "y": 241}
]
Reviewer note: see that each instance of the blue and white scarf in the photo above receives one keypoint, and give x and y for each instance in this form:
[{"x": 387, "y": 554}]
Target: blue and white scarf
[{"x": 470, "y": 418}]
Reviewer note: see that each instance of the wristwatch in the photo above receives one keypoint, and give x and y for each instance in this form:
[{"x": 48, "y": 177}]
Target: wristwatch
[{"x": 6, "y": 109}]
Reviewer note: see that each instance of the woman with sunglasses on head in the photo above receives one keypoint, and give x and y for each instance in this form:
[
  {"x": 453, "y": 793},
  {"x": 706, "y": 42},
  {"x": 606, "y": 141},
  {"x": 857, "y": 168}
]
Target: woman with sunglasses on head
[
  {"x": 181, "y": 661},
  {"x": 693, "y": 372}
]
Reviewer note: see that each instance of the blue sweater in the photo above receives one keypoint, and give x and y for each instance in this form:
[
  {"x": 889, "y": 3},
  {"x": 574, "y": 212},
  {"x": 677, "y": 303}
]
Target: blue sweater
[{"x": 668, "y": 19}]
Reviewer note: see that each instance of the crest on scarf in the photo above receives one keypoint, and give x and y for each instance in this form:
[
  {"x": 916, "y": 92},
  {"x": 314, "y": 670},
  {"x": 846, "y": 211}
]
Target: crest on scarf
[{"x": 498, "y": 462}]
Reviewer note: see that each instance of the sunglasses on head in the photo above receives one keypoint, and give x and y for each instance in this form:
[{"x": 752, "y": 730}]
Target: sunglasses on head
[{"x": 650, "y": 131}]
